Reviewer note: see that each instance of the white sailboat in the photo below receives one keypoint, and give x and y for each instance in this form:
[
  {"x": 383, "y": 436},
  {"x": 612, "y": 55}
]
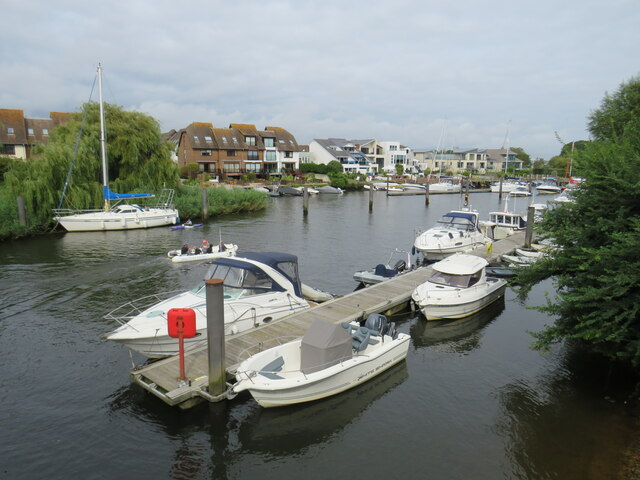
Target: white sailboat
[{"x": 117, "y": 216}]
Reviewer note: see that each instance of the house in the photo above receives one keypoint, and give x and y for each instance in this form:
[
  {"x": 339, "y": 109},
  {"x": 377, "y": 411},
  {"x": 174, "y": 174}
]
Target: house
[
  {"x": 18, "y": 134},
  {"x": 472, "y": 160},
  {"x": 348, "y": 152},
  {"x": 238, "y": 150}
]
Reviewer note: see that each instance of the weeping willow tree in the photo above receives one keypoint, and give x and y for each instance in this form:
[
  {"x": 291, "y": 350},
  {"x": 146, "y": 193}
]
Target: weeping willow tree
[{"x": 138, "y": 158}]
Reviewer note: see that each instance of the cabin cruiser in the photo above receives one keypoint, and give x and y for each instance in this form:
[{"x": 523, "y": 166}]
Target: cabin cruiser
[
  {"x": 547, "y": 188},
  {"x": 258, "y": 288},
  {"x": 459, "y": 287},
  {"x": 507, "y": 186},
  {"x": 445, "y": 186},
  {"x": 520, "y": 191},
  {"x": 329, "y": 359},
  {"x": 504, "y": 223},
  {"x": 456, "y": 231}
]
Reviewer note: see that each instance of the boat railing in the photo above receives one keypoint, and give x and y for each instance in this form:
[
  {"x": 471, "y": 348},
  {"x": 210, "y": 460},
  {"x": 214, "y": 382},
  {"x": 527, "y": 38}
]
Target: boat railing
[
  {"x": 63, "y": 212},
  {"x": 127, "y": 311}
]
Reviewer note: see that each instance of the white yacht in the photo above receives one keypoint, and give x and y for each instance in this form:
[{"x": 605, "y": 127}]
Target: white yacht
[
  {"x": 258, "y": 288},
  {"x": 456, "y": 231},
  {"x": 459, "y": 287}
]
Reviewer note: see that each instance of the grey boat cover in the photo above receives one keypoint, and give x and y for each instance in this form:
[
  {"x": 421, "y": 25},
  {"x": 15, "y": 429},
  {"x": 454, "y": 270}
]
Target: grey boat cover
[{"x": 324, "y": 345}]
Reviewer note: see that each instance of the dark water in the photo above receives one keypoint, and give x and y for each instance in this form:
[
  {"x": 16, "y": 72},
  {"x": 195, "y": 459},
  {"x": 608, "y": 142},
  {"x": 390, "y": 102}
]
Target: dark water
[{"x": 473, "y": 401}]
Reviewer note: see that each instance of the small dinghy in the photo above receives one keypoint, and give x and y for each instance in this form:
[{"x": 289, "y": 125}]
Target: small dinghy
[
  {"x": 186, "y": 226},
  {"x": 197, "y": 255},
  {"x": 329, "y": 359}
]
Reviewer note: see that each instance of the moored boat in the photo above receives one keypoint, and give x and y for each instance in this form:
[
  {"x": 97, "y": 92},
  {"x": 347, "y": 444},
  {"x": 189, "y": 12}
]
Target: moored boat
[
  {"x": 398, "y": 263},
  {"x": 198, "y": 255},
  {"x": 459, "y": 287},
  {"x": 328, "y": 359}
]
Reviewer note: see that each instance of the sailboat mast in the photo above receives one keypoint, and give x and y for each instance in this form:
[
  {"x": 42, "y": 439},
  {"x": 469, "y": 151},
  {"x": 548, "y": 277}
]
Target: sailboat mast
[{"x": 103, "y": 141}]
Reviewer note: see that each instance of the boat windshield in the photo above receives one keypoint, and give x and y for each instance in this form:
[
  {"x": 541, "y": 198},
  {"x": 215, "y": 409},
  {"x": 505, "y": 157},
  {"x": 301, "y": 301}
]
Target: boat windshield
[
  {"x": 239, "y": 282},
  {"x": 451, "y": 280},
  {"x": 457, "y": 222}
]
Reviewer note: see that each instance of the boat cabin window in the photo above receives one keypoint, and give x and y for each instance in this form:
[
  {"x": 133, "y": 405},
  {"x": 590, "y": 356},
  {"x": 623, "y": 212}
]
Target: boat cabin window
[
  {"x": 239, "y": 282},
  {"x": 451, "y": 280},
  {"x": 457, "y": 223}
]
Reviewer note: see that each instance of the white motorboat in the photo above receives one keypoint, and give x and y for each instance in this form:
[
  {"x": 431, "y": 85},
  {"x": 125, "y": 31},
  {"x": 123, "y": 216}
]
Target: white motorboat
[
  {"x": 504, "y": 223},
  {"x": 456, "y": 231},
  {"x": 548, "y": 188},
  {"x": 459, "y": 287},
  {"x": 445, "y": 186},
  {"x": 329, "y": 359},
  {"x": 565, "y": 197},
  {"x": 329, "y": 189},
  {"x": 116, "y": 216},
  {"x": 507, "y": 186},
  {"x": 258, "y": 288},
  {"x": 399, "y": 262},
  {"x": 402, "y": 190},
  {"x": 520, "y": 191},
  {"x": 197, "y": 255}
]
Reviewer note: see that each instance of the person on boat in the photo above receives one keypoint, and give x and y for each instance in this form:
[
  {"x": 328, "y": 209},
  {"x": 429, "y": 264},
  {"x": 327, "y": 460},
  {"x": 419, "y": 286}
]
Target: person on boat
[
  {"x": 185, "y": 249},
  {"x": 188, "y": 222},
  {"x": 206, "y": 248}
]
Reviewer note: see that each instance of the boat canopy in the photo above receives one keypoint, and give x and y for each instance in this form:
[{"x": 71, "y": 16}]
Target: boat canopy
[
  {"x": 460, "y": 220},
  {"x": 323, "y": 345},
  {"x": 109, "y": 195},
  {"x": 460, "y": 264},
  {"x": 235, "y": 272}
]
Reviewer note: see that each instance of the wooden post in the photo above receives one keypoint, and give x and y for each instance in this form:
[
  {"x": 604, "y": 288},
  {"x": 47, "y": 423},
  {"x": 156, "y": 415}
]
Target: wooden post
[
  {"x": 205, "y": 203},
  {"x": 22, "y": 211},
  {"x": 215, "y": 336},
  {"x": 426, "y": 194},
  {"x": 305, "y": 201},
  {"x": 371, "y": 198},
  {"x": 528, "y": 234},
  {"x": 500, "y": 192}
]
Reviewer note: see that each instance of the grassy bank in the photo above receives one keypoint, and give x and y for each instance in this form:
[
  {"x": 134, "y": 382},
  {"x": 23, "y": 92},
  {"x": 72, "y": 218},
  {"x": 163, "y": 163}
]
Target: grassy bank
[{"x": 188, "y": 200}]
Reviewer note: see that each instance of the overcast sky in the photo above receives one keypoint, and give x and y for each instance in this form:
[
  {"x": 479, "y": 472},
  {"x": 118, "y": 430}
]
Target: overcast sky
[{"x": 461, "y": 74}]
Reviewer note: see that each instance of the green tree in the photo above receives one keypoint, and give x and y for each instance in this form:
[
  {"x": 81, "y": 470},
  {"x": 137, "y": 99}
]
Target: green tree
[
  {"x": 399, "y": 169},
  {"x": 597, "y": 259},
  {"x": 138, "y": 160},
  {"x": 334, "y": 166},
  {"x": 616, "y": 111},
  {"x": 522, "y": 155}
]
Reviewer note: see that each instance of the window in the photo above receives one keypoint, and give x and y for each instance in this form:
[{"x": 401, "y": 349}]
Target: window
[
  {"x": 235, "y": 140},
  {"x": 269, "y": 142},
  {"x": 231, "y": 167},
  {"x": 224, "y": 139},
  {"x": 393, "y": 148},
  {"x": 252, "y": 155},
  {"x": 250, "y": 140},
  {"x": 253, "y": 167},
  {"x": 231, "y": 153},
  {"x": 270, "y": 156},
  {"x": 45, "y": 131},
  {"x": 8, "y": 149},
  {"x": 207, "y": 138},
  {"x": 205, "y": 153},
  {"x": 10, "y": 130},
  {"x": 281, "y": 141},
  {"x": 288, "y": 154},
  {"x": 196, "y": 139},
  {"x": 30, "y": 132}
]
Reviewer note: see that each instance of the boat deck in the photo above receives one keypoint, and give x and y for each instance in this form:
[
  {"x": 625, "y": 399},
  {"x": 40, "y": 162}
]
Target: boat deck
[{"x": 162, "y": 377}]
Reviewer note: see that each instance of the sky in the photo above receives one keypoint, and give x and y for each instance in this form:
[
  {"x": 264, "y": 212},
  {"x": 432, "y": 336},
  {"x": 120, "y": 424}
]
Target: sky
[{"x": 457, "y": 74}]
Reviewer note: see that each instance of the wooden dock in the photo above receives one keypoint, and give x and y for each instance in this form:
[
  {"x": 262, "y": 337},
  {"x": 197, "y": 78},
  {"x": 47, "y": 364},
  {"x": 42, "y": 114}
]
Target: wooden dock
[{"x": 162, "y": 377}]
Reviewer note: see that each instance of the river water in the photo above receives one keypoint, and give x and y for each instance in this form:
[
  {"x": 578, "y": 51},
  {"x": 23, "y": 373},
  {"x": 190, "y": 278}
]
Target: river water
[{"x": 472, "y": 401}]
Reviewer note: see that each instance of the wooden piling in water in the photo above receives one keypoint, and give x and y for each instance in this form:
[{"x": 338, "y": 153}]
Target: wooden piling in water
[
  {"x": 215, "y": 336},
  {"x": 22, "y": 211},
  {"x": 305, "y": 201},
  {"x": 528, "y": 234},
  {"x": 426, "y": 194},
  {"x": 205, "y": 203}
]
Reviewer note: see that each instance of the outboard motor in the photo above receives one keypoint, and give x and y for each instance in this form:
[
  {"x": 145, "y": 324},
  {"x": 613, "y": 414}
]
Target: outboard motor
[
  {"x": 400, "y": 266},
  {"x": 376, "y": 322},
  {"x": 391, "y": 331}
]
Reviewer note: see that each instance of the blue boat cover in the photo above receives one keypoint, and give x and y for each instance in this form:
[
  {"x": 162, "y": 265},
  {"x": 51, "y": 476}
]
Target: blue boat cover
[{"x": 109, "y": 195}]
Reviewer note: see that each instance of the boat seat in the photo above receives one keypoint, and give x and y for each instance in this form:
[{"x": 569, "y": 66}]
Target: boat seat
[
  {"x": 273, "y": 366},
  {"x": 383, "y": 271},
  {"x": 361, "y": 338}
]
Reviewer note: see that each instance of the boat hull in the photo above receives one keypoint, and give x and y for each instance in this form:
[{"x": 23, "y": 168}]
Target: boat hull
[
  {"x": 331, "y": 381},
  {"x": 101, "y": 221},
  {"x": 460, "y": 303}
]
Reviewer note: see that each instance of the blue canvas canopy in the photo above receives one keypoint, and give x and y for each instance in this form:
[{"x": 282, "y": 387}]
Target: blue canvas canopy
[{"x": 109, "y": 195}]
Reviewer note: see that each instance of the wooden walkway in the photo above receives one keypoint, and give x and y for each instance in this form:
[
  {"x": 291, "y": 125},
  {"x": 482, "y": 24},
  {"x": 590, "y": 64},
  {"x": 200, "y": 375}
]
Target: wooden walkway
[{"x": 162, "y": 377}]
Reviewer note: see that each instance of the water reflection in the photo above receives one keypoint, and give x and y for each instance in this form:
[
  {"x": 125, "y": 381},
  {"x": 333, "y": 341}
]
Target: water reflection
[
  {"x": 456, "y": 336},
  {"x": 554, "y": 425}
]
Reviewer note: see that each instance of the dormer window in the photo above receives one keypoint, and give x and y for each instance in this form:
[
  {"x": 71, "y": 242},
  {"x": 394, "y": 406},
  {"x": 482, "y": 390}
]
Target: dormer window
[
  {"x": 10, "y": 130},
  {"x": 45, "y": 131},
  {"x": 269, "y": 142},
  {"x": 250, "y": 140},
  {"x": 30, "y": 131}
]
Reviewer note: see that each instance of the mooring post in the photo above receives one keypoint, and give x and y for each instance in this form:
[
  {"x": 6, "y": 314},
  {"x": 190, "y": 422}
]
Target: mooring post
[
  {"x": 305, "y": 201},
  {"x": 500, "y": 192},
  {"x": 215, "y": 336},
  {"x": 205, "y": 203},
  {"x": 528, "y": 234},
  {"x": 22, "y": 212},
  {"x": 426, "y": 193},
  {"x": 371, "y": 198}
]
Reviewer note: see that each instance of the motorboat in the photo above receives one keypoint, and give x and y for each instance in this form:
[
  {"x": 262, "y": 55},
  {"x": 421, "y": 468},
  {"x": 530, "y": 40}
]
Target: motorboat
[
  {"x": 399, "y": 262},
  {"x": 329, "y": 189},
  {"x": 258, "y": 288},
  {"x": 456, "y": 231},
  {"x": 445, "y": 186},
  {"x": 329, "y": 359},
  {"x": 546, "y": 188},
  {"x": 459, "y": 287},
  {"x": 310, "y": 190},
  {"x": 507, "y": 186},
  {"x": 402, "y": 190},
  {"x": 503, "y": 223},
  {"x": 523, "y": 257},
  {"x": 198, "y": 255},
  {"x": 520, "y": 191},
  {"x": 289, "y": 191},
  {"x": 114, "y": 215},
  {"x": 565, "y": 197}
]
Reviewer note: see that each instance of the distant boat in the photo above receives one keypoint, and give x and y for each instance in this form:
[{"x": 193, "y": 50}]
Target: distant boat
[
  {"x": 329, "y": 189},
  {"x": 117, "y": 216}
]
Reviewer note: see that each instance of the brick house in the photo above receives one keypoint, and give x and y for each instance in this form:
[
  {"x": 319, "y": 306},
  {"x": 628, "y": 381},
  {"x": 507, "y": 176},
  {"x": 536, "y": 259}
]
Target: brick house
[{"x": 18, "y": 135}]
